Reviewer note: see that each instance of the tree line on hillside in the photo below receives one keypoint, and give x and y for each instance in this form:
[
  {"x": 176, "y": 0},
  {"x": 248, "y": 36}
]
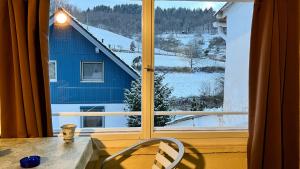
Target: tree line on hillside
[{"x": 126, "y": 20}]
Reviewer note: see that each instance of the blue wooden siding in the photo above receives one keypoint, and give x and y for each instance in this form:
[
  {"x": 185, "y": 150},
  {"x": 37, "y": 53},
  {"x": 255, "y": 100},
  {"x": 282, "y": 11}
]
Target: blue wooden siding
[{"x": 68, "y": 47}]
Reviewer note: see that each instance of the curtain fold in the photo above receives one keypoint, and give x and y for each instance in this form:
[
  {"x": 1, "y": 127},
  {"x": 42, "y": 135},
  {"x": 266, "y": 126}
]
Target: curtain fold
[
  {"x": 24, "y": 79},
  {"x": 274, "y": 86}
]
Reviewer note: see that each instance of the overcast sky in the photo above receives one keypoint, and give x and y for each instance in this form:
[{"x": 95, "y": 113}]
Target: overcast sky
[{"x": 84, "y": 4}]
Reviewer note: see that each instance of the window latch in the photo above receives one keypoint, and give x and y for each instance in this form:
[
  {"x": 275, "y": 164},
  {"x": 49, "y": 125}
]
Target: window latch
[{"x": 149, "y": 68}]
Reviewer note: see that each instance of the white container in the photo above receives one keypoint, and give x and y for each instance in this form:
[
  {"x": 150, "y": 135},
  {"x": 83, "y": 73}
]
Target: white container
[{"x": 68, "y": 131}]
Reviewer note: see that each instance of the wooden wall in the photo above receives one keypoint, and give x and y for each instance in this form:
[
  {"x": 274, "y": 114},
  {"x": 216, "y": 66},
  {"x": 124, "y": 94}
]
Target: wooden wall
[{"x": 206, "y": 154}]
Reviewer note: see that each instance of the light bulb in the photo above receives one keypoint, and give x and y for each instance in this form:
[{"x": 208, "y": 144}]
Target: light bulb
[{"x": 61, "y": 18}]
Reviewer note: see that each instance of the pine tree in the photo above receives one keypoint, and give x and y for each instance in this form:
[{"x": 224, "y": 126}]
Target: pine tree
[
  {"x": 162, "y": 94},
  {"x": 133, "y": 102},
  {"x": 197, "y": 104},
  {"x": 194, "y": 105}
]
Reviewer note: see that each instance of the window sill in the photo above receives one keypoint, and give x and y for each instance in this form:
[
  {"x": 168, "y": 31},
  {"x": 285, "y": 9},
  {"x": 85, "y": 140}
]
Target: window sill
[
  {"x": 231, "y": 141},
  {"x": 91, "y": 81}
]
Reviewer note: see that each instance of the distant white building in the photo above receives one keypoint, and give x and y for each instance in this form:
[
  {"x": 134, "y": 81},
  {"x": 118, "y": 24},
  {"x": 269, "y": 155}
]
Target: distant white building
[{"x": 234, "y": 25}]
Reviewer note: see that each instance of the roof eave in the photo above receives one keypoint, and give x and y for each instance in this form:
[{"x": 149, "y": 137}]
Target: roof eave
[{"x": 220, "y": 12}]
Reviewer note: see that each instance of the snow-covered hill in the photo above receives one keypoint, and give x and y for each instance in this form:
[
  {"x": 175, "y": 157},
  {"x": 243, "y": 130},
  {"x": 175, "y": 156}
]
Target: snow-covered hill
[
  {"x": 116, "y": 41},
  {"x": 183, "y": 84},
  {"x": 186, "y": 38}
]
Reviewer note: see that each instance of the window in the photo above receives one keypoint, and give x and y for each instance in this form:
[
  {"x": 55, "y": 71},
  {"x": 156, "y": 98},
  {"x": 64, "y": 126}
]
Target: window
[
  {"x": 52, "y": 71},
  {"x": 188, "y": 71},
  {"x": 201, "y": 66},
  {"x": 92, "y": 121},
  {"x": 92, "y": 72}
]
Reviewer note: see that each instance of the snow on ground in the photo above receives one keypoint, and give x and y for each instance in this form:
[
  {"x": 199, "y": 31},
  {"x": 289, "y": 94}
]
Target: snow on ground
[
  {"x": 116, "y": 41},
  {"x": 110, "y": 38},
  {"x": 127, "y": 57},
  {"x": 209, "y": 62},
  {"x": 191, "y": 84},
  {"x": 184, "y": 38},
  {"x": 240, "y": 121},
  {"x": 170, "y": 61},
  {"x": 212, "y": 121},
  {"x": 180, "y": 61},
  {"x": 207, "y": 37}
]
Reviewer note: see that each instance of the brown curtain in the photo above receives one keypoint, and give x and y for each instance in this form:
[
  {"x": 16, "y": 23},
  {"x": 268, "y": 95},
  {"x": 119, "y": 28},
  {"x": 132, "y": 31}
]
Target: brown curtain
[
  {"x": 274, "y": 86},
  {"x": 24, "y": 82}
]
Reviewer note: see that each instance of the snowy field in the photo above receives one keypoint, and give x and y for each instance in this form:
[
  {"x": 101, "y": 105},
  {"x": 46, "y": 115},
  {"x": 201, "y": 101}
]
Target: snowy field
[
  {"x": 234, "y": 121},
  {"x": 183, "y": 84},
  {"x": 170, "y": 61},
  {"x": 114, "y": 40},
  {"x": 109, "y": 38},
  {"x": 192, "y": 84},
  {"x": 184, "y": 38},
  {"x": 121, "y": 42}
]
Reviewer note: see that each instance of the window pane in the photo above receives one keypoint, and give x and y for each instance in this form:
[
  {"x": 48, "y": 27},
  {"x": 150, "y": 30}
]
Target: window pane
[
  {"x": 99, "y": 56},
  {"x": 92, "y": 71},
  {"x": 201, "y": 63},
  {"x": 92, "y": 121},
  {"x": 52, "y": 71}
]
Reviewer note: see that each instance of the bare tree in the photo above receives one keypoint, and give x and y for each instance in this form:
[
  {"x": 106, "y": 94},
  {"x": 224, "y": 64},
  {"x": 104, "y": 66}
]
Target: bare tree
[
  {"x": 55, "y": 4},
  {"x": 132, "y": 46},
  {"x": 192, "y": 52},
  {"x": 206, "y": 89}
]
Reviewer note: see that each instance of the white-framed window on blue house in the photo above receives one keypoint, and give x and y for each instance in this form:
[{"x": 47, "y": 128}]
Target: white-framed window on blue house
[
  {"x": 92, "y": 121},
  {"x": 53, "y": 71},
  {"x": 92, "y": 72}
]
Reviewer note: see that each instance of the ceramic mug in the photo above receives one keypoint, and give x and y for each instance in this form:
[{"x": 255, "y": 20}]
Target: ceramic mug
[{"x": 68, "y": 131}]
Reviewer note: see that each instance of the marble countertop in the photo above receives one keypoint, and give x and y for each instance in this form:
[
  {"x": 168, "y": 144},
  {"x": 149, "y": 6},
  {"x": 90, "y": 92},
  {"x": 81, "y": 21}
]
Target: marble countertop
[{"x": 54, "y": 153}]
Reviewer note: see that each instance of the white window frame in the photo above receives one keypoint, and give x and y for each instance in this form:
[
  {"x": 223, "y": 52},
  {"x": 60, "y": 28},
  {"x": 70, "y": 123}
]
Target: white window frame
[
  {"x": 90, "y": 80},
  {"x": 55, "y": 69}
]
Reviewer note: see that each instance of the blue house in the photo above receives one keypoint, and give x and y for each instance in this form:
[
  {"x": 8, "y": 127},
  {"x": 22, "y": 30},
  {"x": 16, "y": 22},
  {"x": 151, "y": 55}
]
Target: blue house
[{"x": 84, "y": 74}]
